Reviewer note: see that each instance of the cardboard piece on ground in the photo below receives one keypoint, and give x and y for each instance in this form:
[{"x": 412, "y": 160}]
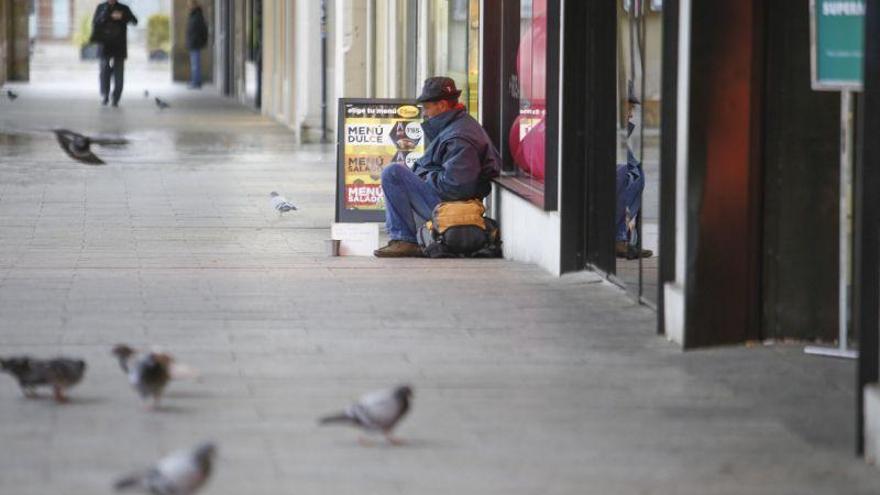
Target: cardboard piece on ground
[{"x": 356, "y": 239}]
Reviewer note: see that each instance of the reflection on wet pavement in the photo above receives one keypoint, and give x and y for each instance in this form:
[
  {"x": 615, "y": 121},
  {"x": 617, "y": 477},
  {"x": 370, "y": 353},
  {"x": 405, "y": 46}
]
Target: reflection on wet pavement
[{"x": 206, "y": 164}]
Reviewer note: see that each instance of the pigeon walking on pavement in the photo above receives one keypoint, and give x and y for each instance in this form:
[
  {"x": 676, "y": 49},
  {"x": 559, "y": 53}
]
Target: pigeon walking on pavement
[
  {"x": 376, "y": 412},
  {"x": 181, "y": 473},
  {"x": 162, "y": 104},
  {"x": 59, "y": 373},
  {"x": 148, "y": 373},
  {"x": 79, "y": 146},
  {"x": 280, "y": 204},
  {"x": 12, "y": 96}
]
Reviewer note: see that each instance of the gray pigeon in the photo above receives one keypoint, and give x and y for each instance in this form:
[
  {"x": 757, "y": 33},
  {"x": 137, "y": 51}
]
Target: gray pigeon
[
  {"x": 12, "y": 96},
  {"x": 181, "y": 473},
  {"x": 280, "y": 203},
  {"x": 148, "y": 373},
  {"x": 79, "y": 147},
  {"x": 58, "y": 373},
  {"x": 378, "y": 411},
  {"x": 162, "y": 104}
]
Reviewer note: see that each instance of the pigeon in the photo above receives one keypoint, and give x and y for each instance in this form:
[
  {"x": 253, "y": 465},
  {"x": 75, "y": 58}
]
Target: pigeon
[
  {"x": 148, "y": 373},
  {"x": 146, "y": 93},
  {"x": 280, "y": 204},
  {"x": 162, "y": 104},
  {"x": 59, "y": 373},
  {"x": 378, "y": 411},
  {"x": 78, "y": 146},
  {"x": 12, "y": 96},
  {"x": 181, "y": 473}
]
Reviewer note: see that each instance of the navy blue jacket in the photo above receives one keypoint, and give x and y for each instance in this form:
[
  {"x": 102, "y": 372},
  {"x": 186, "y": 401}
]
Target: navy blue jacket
[
  {"x": 196, "y": 30},
  {"x": 460, "y": 161}
]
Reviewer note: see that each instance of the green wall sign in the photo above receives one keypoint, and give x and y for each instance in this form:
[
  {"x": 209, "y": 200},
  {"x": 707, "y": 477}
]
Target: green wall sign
[{"x": 837, "y": 30}]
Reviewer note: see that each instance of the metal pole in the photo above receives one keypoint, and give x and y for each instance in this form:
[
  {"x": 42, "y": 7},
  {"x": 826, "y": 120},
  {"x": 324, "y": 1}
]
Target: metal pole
[{"x": 845, "y": 241}]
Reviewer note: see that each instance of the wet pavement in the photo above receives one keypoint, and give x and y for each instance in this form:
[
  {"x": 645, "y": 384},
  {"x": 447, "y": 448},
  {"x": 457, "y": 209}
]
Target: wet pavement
[{"x": 524, "y": 383}]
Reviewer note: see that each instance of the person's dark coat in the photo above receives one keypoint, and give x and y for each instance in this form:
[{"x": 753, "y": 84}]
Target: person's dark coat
[
  {"x": 460, "y": 160},
  {"x": 109, "y": 33},
  {"x": 196, "y": 30}
]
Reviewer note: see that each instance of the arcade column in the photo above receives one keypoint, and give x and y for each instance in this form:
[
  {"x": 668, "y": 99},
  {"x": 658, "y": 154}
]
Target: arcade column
[
  {"x": 14, "y": 40},
  {"x": 4, "y": 30}
]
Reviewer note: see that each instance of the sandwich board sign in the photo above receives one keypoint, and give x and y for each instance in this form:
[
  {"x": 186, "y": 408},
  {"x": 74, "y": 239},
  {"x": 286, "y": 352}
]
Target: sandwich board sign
[
  {"x": 372, "y": 134},
  {"x": 837, "y": 32}
]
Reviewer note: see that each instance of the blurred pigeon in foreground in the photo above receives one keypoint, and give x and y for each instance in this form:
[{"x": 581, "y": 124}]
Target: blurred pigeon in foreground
[
  {"x": 79, "y": 147},
  {"x": 280, "y": 203},
  {"x": 181, "y": 473},
  {"x": 162, "y": 104},
  {"x": 58, "y": 373},
  {"x": 12, "y": 96},
  {"x": 378, "y": 411},
  {"x": 148, "y": 373}
]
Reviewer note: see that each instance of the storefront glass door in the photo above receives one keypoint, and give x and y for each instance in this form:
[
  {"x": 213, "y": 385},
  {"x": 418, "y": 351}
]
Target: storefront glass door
[{"x": 636, "y": 230}]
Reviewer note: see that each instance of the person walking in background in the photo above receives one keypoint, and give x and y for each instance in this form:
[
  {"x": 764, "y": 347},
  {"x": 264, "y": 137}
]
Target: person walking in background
[
  {"x": 196, "y": 40},
  {"x": 110, "y": 32}
]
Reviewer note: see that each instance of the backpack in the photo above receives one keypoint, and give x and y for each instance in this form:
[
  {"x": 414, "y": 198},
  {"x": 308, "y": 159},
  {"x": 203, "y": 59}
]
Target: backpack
[{"x": 459, "y": 229}]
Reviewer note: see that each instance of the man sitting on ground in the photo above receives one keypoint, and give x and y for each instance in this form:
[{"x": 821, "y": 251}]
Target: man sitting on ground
[{"x": 458, "y": 165}]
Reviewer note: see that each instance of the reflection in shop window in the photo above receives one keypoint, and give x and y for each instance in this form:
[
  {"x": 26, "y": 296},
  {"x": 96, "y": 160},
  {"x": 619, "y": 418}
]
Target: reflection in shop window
[{"x": 527, "y": 135}]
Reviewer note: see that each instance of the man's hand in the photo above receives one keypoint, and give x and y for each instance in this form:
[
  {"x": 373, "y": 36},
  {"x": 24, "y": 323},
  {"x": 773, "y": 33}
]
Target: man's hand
[{"x": 116, "y": 15}]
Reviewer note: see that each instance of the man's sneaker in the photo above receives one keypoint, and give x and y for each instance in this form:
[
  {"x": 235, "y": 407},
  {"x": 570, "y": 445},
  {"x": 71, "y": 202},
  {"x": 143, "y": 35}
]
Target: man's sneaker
[
  {"x": 622, "y": 249},
  {"x": 399, "y": 249}
]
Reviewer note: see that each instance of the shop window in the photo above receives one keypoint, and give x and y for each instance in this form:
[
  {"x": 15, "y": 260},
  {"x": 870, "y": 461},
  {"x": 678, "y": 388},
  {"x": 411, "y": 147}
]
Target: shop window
[
  {"x": 455, "y": 47},
  {"x": 254, "y": 26},
  {"x": 637, "y": 219},
  {"x": 527, "y": 138},
  {"x": 525, "y": 44}
]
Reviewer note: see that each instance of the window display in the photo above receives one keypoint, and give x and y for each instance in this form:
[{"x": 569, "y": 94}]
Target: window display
[
  {"x": 526, "y": 43},
  {"x": 528, "y": 132}
]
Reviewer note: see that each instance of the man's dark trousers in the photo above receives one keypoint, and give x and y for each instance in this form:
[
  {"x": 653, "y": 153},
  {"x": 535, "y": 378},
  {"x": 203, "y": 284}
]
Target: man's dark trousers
[{"x": 115, "y": 65}]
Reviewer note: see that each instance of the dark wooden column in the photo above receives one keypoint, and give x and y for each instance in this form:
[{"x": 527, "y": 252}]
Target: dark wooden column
[
  {"x": 801, "y": 186},
  {"x": 724, "y": 171}
]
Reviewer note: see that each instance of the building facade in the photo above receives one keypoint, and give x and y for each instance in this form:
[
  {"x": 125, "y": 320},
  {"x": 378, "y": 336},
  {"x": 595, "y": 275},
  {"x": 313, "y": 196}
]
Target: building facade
[
  {"x": 551, "y": 82},
  {"x": 314, "y": 53},
  {"x": 682, "y": 128},
  {"x": 675, "y": 147}
]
